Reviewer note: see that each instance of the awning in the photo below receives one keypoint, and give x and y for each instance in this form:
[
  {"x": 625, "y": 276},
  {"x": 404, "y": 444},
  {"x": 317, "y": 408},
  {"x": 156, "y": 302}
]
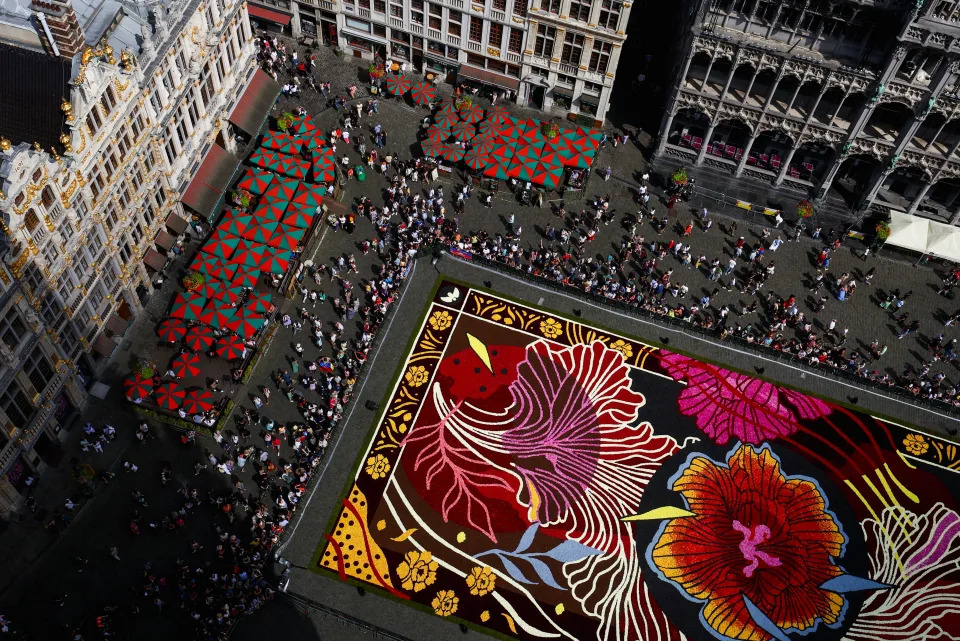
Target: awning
[
  {"x": 117, "y": 325},
  {"x": 488, "y": 77},
  {"x": 165, "y": 240},
  {"x": 269, "y": 15},
  {"x": 256, "y": 102},
  {"x": 924, "y": 235},
  {"x": 206, "y": 190},
  {"x": 177, "y": 224},
  {"x": 104, "y": 345},
  {"x": 154, "y": 260}
]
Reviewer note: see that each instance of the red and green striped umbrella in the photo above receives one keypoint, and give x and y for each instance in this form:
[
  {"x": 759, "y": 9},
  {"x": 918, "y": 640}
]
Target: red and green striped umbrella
[
  {"x": 446, "y": 110},
  {"x": 269, "y": 211},
  {"x": 222, "y": 247},
  {"x": 303, "y": 126},
  {"x": 228, "y": 295},
  {"x": 265, "y": 160},
  {"x": 447, "y": 121},
  {"x": 171, "y": 329},
  {"x": 210, "y": 288},
  {"x": 397, "y": 84},
  {"x": 499, "y": 111},
  {"x": 219, "y": 268},
  {"x": 198, "y": 401},
  {"x": 463, "y": 131},
  {"x": 431, "y": 149},
  {"x": 250, "y": 257},
  {"x": 472, "y": 115},
  {"x": 437, "y": 134},
  {"x": 185, "y": 365},
  {"x": 256, "y": 181},
  {"x": 483, "y": 146},
  {"x": 283, "y": 189},
  {"x": 488, "y": 125},
  {"x": 314, "y": 140},
  {"x": 234, "y": 226},
  {"x": 477, "y": 161},
  {"x": 453, "y": 153},
  {"x": 287, "y": 237},
  {"x": 199, "y": 337},
  {"x": 308, "y": 196},
  {"x": 169, "y": 395},
  {"x": 423, "y": 92},
  {"x": 136, "y": 387},
  {"x": 531, "y": 135},
  {"x": 524, "y": 153},
  {"x": 258, "y": 303},
  {"x": 187, "y": 306},
  {"x": 503, "y": 153},
  {"x": 246, "y": 278},
  {"x": 258, "y": 234},
  {"x": 246, "y": 326},
  {"x": 497, "y": 170},
  {"x": 521, "y": 169},
  {"x": 276, "y": 263},
  {"x": 278, "y": 141},
  {"x": 230, "y": 347},
  {"x": 548, "y": 174},
  {"x": 298, "y": 218},
  {"x": 293, "y": 167},
  {"x": 217, "y": 316}
]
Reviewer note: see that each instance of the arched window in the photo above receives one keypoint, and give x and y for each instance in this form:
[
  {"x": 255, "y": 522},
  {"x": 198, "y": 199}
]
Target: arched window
[
  {"x": 31, "y": 221},
  {"x": 48, "y": 198}
]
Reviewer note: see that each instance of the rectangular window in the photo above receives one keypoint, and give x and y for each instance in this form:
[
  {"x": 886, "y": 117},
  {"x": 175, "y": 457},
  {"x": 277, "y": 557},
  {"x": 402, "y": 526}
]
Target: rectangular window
[
  {"x": 580, "y": 10},
  {"x": 609, "y": 14},
  {"x": 436, "y": 10},
  {"x": 600, "y": 56},
  {"x": 572, "y": 48},
  {"x": 454, "y": 27},
  {"x": 380, "y": 5},
  {"x": 12, "y": 329},
  {"x": 416, "y": 17},
  {"x": 543, "y": 45},
  {"x": 551, "y": 6},
  {"x": 17, "y": 406},
  {"x": 516, "y": 40},
  {"x": 566, "y": 81},
  {"x": 396, "y": 10},
  {"x": 520, "y": 8},
  {"x": 495, "y": 37},
  {"x": 499, "y": 5},
  {"x": 38, "y": 369},
  {"x": 435, "y": 22},
  {"x": 52, "y": 312},
  {"x": 476, "y": 29},
  {"x": 592, "y": 88}
]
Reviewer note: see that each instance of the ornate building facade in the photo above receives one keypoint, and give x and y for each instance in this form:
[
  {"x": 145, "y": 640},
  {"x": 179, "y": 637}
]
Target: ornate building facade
[
  {"x": 854, "y": 99},
  {"x": 91, "y": 205},
  {"x": 560, "y": 56}
]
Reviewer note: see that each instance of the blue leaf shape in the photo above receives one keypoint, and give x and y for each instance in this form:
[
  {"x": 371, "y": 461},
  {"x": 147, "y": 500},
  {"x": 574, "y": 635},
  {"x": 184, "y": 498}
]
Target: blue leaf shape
[
  {"x": 570, "y": 551},
  {"x": 527, "y": 538},
  {"x": 543, "y": 572},
  {"x": 513, "y": 570}
]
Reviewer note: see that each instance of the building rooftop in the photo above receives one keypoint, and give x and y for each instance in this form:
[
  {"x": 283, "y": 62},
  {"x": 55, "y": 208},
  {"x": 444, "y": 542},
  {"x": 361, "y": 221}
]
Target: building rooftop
[{"x": 33, "y": 85}]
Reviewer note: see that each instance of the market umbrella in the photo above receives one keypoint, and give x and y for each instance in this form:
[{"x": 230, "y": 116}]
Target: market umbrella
[
  {"x": 298, "y": 218},
  {"x": 490, "y": 125},
  {"x": 228, "y": 295},
  {"x": 234, "y": 226},
  {"x": 198, "y": 401},
  {"x": 256, "y": 181},
  {"x": 258, "y": 234},
  {"x": 503, "y": 153},
  {"x": 169, "y": 395},
  {"x": 171, "y": 329},
  {"x": 187, "y": 306},
  {"x": 463, "y": 131},
  {"x": 431, "y": 149},
  {"x": 423, "y": 92},
  {"x": 222, "y": 247},
  {"x": 437, "y": 134},
  {"x": 251, "y": 257},
  {"x": 446, "y": 110},
  {"x": 258, "y": 303},
  {"x": 230, "y": 347},
  {"x": 287, "y": 237},
  {"x": 213, "y": 267},
  {"x": 314, "y": 140},
  {"x": 293, "y": 167},
  {"x": 276, "y": 263},
  {"x": 497, "y": 170},
  {"x": 483, "y": 145},
  {"x": 308, "y": 196},
  {"x": 453, "y": 153},
  {"x": 523, "y": 153},
  {"x": 199, "y": 338},
  {"x": 547, "y": 174},
  {"x": 579, "y": 160},
  {"x": 447, "y": 121},
  {"x": 472, "y": 115},
  {"x": 246, "y": 325},
  {"x": 136, "y": 387},
  {"x": 303, "y": 126},
  {"x": 397, "y": 84},
  {"x": 269, "y": 211},
  {"x": 499, "y": 111},
  {"x": 217, "y": 316},
  {"x": 248, "y": 277},
  {"x": 478, "y": 161},
  {"x": 185, "y": 365},
  {"x": 521, "y": 169},
  {"x": 283, "y": 189},
  {"x": 531, "y": 135},
  {"x": 281, "y": 142}
]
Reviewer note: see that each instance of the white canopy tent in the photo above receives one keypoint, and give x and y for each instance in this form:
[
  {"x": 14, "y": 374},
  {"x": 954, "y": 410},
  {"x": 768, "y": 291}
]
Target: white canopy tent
[{"x": 924, "y": 235}]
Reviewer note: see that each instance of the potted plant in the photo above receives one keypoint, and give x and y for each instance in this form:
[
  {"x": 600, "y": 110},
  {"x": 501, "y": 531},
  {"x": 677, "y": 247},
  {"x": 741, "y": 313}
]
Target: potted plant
[
  {"x": 376, "y": 70},
  {"x": 549, "y": 129},
  {"x": 285, "y": 121},
  {"x": 882, "y": 230},
  {"x": 463, "y": 103},
  {"x": 242, "y": 197},
  {"x": 194, "y": 281},
  {"x": 145, "y": 369},
  {"x": 680, "y": 177},
  {"x": 804, "y": 209}
]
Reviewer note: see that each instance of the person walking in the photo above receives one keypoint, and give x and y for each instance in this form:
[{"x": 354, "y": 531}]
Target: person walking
[{"x": 115, "y": 553}]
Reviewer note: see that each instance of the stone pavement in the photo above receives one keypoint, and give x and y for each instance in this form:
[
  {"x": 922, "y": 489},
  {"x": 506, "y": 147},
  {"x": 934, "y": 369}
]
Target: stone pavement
[{"x": 102, "y": 523}]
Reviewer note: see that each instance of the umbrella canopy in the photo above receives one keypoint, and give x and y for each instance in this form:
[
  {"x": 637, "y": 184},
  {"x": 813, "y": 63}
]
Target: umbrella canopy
[
  {"x": 219, "y": 268},
  {"x": 287, "y": 237},
  {"x": 187, "y": 306},
  {"x": 228, "y": 295},
  {"x": 463, "y": 131},
  {"x": 230, "y": 347},
  {"x": 495, "y": 126},
  {"x": 251, "y": 257},
  {"x": 265, "y": 160},
  {"x": 298, "y": 218},
  {"x": 437, "y": 134},
  {"x": 283, "y": 189},
  {"x": 246, "y": 278},
  {"x": 447, "y": 121},
  {"x": 453, "y": 153},
  {"x": 282, "y": 142},
  {"x": 171, "y": 329},
  {"x": 531, "y": 135},
  {"x": 308, "y": 196},
  {"x": 521, "y": 169},
  {"x": 185, "y": 365},
  {"x": 423, "y": 92},
  {"x": 314, "y": 140},
  {"x": 235, "y": 226},
  {"x": 483, "y": 145},
  {"x": 472, "y": 115},
  {"x": 276, "y": 262},
  {"x": 547, "y": 174},
  {"x": 293, "y": 167},
  {"x": 198, "y": 401},
  {"x": 498, "y": 110},
  {"x": 303, "y": 126},
  {"x": 221, "y": 247},
  {"x": 446, "y": 110},
  {"x": 256, "y": 181},
  {"x": 199, "y": 338},
  {"x": 218, "y": 316},
  {"x": 397, "y": 84},
  {"x": 503, "y": 153},
  {"x": 246, "y": 325},
  {"x": 431, "y": 149},
  {"x": 258, "y": 303},
  {"x": 478, "y": 161},
  {"x": 497, "y": 170},
  {"x": 136, "y": 387},
  {"x": 268, "y": 211},
  {"x": 523, "y": 153},
  {"x": 169, "y": 395}
]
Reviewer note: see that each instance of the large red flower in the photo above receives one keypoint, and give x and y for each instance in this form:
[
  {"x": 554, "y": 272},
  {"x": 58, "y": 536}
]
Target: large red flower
[
  {"x": 756, "y": 534},
  {"x": 728, "y": 404}
]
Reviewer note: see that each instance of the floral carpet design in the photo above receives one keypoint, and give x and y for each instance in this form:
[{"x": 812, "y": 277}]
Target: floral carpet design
[{"x": 543, "y": 479}]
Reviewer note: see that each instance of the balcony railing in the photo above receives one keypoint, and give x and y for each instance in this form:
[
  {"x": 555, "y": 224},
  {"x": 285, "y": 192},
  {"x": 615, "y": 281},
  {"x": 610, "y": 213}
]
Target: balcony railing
[
  {"x": 363, "y": 13},
  {"x": 396, "y": 23},
  {"x": 499, "y": 16},
  {"x": 512, "y": 57},
  {"x": 416, "y": 29},
  {"x": 474, "y": 46},
  {"x": 453, "y": 41},
  {"x": 434, "y": 34}
]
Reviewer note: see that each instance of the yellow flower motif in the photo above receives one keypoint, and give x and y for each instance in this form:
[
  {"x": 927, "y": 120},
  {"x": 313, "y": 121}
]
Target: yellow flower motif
[
  {"x": 417, "y": 376},
  {"x": 916, "y": 444},
  {"x": 481, "y": 581},
  {"x": 623, "y": 347},
  {"x": 378, "y": 466},
  {"x": 550, "y": 328},
  {"x": 440, "y": 320},
  {"x": 417, "y": 571},
  {"x": 445, "y": 603}
]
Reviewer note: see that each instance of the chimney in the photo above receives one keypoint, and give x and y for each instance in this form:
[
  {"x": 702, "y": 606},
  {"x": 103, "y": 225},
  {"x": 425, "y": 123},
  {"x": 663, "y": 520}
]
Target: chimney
[{"x": 59, "y": 22}]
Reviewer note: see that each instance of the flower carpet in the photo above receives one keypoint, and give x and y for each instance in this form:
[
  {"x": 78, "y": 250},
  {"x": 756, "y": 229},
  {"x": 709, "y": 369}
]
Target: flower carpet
[{"x": 544, "y": 479}]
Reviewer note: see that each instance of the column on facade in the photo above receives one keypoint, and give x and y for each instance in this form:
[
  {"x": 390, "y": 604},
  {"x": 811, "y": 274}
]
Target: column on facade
[
  {"x": 245, "y": 25},
  {"x": 706, "y": 78},
  {"x": 785, "y": 167},
  {"x": 921, "y": 194},
  {"x": 753, "y": 79},
  {"x": 175, "y": 71},
  {"x": 216, "y": 12},
  {"x": 746, "y": 153},
  {"x": 864, "y": 116},
  {"x": 706, "y": 142},
  {"x": 816, "y": 103},
  {"x": 836, "y": 112},
  {"x": 665, "y": 132},
  {"x": 733, "y": 69},
  {"x": 776, "y": 85},
  {"x": 175, "y": 140},
  {"x": 881, "y": 178},
  {"x": 933, "y": 138},
  {"x": 796, "y": 93}
]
